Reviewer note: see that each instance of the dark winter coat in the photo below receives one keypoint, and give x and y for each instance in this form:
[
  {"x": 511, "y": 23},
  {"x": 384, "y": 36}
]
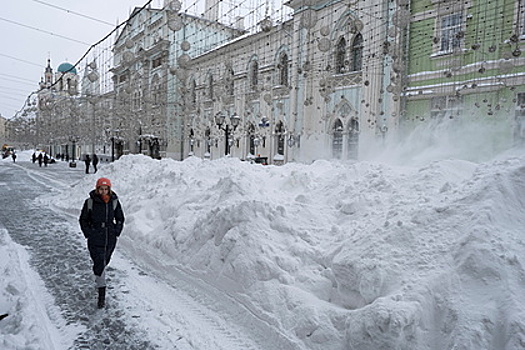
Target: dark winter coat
[{"x": 102, "y": 225}]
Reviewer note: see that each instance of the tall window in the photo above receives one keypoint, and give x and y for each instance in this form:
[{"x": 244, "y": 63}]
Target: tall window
[
  {"x": 451, "y": 32},
  {"x": 337, "y": 142},
  {"x": 254, "y": 75},
  {"x": 283, "y": 69},
  {"x": 357, "y": 53},
  {"x": 340, "y": 53},
  {"x": 353, "y": 138}
]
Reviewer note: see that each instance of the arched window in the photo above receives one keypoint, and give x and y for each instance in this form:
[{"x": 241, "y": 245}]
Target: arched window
[
  {"x": 283, "y": 69},
  {"x": 357, "y": 53},
  {"x": 353, "y": 138},
  {"x": 337, "y": 141},
  {"x": 340, "y": 56},
  {"x": 254, "y": 75}
]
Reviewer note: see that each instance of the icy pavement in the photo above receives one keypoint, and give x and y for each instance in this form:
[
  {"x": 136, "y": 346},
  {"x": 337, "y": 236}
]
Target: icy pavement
[
  {"x": 144, "y": 311},
  {"x": 60, "y": 260}
]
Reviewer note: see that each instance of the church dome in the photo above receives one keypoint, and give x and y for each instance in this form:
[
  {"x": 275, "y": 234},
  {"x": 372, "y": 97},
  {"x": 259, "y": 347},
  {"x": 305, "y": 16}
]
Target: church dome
[{"x": 67, "y": 68}]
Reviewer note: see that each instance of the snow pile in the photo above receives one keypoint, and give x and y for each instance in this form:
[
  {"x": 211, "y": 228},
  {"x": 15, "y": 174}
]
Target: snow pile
[
  {"x": 33, "y": 321},
  {"x": 338, "y": 254}
]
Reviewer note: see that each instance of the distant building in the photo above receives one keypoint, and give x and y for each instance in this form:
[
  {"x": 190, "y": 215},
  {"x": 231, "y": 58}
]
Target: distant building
[{"x": 58, "y": 117}]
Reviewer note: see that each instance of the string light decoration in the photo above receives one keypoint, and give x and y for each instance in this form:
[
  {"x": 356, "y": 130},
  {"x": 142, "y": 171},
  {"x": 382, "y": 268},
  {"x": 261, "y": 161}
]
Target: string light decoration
[{"x": 402, "y": 61}]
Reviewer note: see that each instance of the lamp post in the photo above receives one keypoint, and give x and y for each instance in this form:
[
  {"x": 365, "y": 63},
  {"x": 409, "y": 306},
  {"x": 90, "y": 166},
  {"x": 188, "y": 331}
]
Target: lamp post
[
  {"x": 73, "y": 140},
  {"x": 220, "y": 120}
]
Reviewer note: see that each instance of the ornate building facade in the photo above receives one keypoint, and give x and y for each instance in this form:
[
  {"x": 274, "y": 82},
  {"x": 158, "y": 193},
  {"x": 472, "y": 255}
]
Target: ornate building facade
[
  {"x": 335, "y": 79},
  {"x": 309, "y": 88},
  {"x": 150, "y": 59}
]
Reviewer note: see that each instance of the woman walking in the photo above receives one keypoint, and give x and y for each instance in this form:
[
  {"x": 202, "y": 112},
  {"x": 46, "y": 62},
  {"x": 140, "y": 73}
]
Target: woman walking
[{"x": 101, "y": 221}]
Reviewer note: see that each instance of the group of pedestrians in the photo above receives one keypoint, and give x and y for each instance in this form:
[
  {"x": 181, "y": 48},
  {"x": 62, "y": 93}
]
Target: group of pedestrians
[
  {"x": 88, "y": 160},
  {"x": 41, "y": 158},
  {"x": 44, "y": 158}
]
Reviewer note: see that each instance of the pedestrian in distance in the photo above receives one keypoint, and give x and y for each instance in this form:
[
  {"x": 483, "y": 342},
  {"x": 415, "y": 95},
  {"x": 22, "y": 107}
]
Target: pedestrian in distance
[
  {"x": 40, "y": 159},
  {"x": 13, "y": 155},
  {"x": 101, "y": 222},
  {"x": 87, "y": 161},
  {"x": 46, "y": 159},
  {"x": 95, "y": 162},
  {"x": 33, "y": 157}
]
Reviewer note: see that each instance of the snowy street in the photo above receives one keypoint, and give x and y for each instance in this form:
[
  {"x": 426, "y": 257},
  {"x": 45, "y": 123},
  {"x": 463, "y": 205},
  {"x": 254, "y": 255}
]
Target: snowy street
[{"x": 183, "y": 313}]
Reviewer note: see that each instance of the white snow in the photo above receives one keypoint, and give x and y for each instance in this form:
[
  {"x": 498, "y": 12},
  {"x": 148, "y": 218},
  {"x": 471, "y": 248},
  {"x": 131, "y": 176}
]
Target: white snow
[{"x": 424, "y": 251}]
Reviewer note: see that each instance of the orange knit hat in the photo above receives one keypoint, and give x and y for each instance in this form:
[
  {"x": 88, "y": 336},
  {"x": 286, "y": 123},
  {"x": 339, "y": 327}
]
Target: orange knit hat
[{"x": 103, "y": 182}]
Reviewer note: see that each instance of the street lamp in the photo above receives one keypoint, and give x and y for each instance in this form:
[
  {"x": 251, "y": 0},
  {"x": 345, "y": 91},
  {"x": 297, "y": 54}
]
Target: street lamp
[
  {"x": 220, "y": 120},
  {"x": 73, "y": 140}
]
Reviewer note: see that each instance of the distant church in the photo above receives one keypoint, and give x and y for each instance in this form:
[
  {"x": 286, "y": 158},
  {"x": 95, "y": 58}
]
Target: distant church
[{"x": 64, "y": 81}]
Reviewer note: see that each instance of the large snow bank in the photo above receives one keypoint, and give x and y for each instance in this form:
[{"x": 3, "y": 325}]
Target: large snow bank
[{"x": 340, "y": 254}]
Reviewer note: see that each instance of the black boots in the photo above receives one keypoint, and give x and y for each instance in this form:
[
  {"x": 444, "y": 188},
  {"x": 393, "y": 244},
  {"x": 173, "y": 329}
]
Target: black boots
[{"x": 101, "y": 297}]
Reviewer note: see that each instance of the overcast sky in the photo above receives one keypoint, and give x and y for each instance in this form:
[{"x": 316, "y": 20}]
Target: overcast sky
[{"x": 35, "y": 30}]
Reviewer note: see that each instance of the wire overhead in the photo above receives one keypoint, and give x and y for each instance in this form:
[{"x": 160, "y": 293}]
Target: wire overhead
[
  {"x": 74, "y": 13},
  {"x": 44, "y": 31}
]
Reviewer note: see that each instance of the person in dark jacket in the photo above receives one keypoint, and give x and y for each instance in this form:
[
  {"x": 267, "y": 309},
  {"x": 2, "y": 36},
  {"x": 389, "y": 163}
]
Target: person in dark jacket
[
  {"x": 101, "y": 222},
  {"x": 95, "y": 162},
  {"x": 87, "y": 160}
]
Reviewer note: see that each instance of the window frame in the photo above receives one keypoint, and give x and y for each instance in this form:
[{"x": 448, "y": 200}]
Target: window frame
[
  {"x": 356, "y": 64},
  {"x": 254, "y": 75},
  {"x": 448, "y": 41},
  {"x": 284, "y": 75},
  {"x": 340, "y": 56}
]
